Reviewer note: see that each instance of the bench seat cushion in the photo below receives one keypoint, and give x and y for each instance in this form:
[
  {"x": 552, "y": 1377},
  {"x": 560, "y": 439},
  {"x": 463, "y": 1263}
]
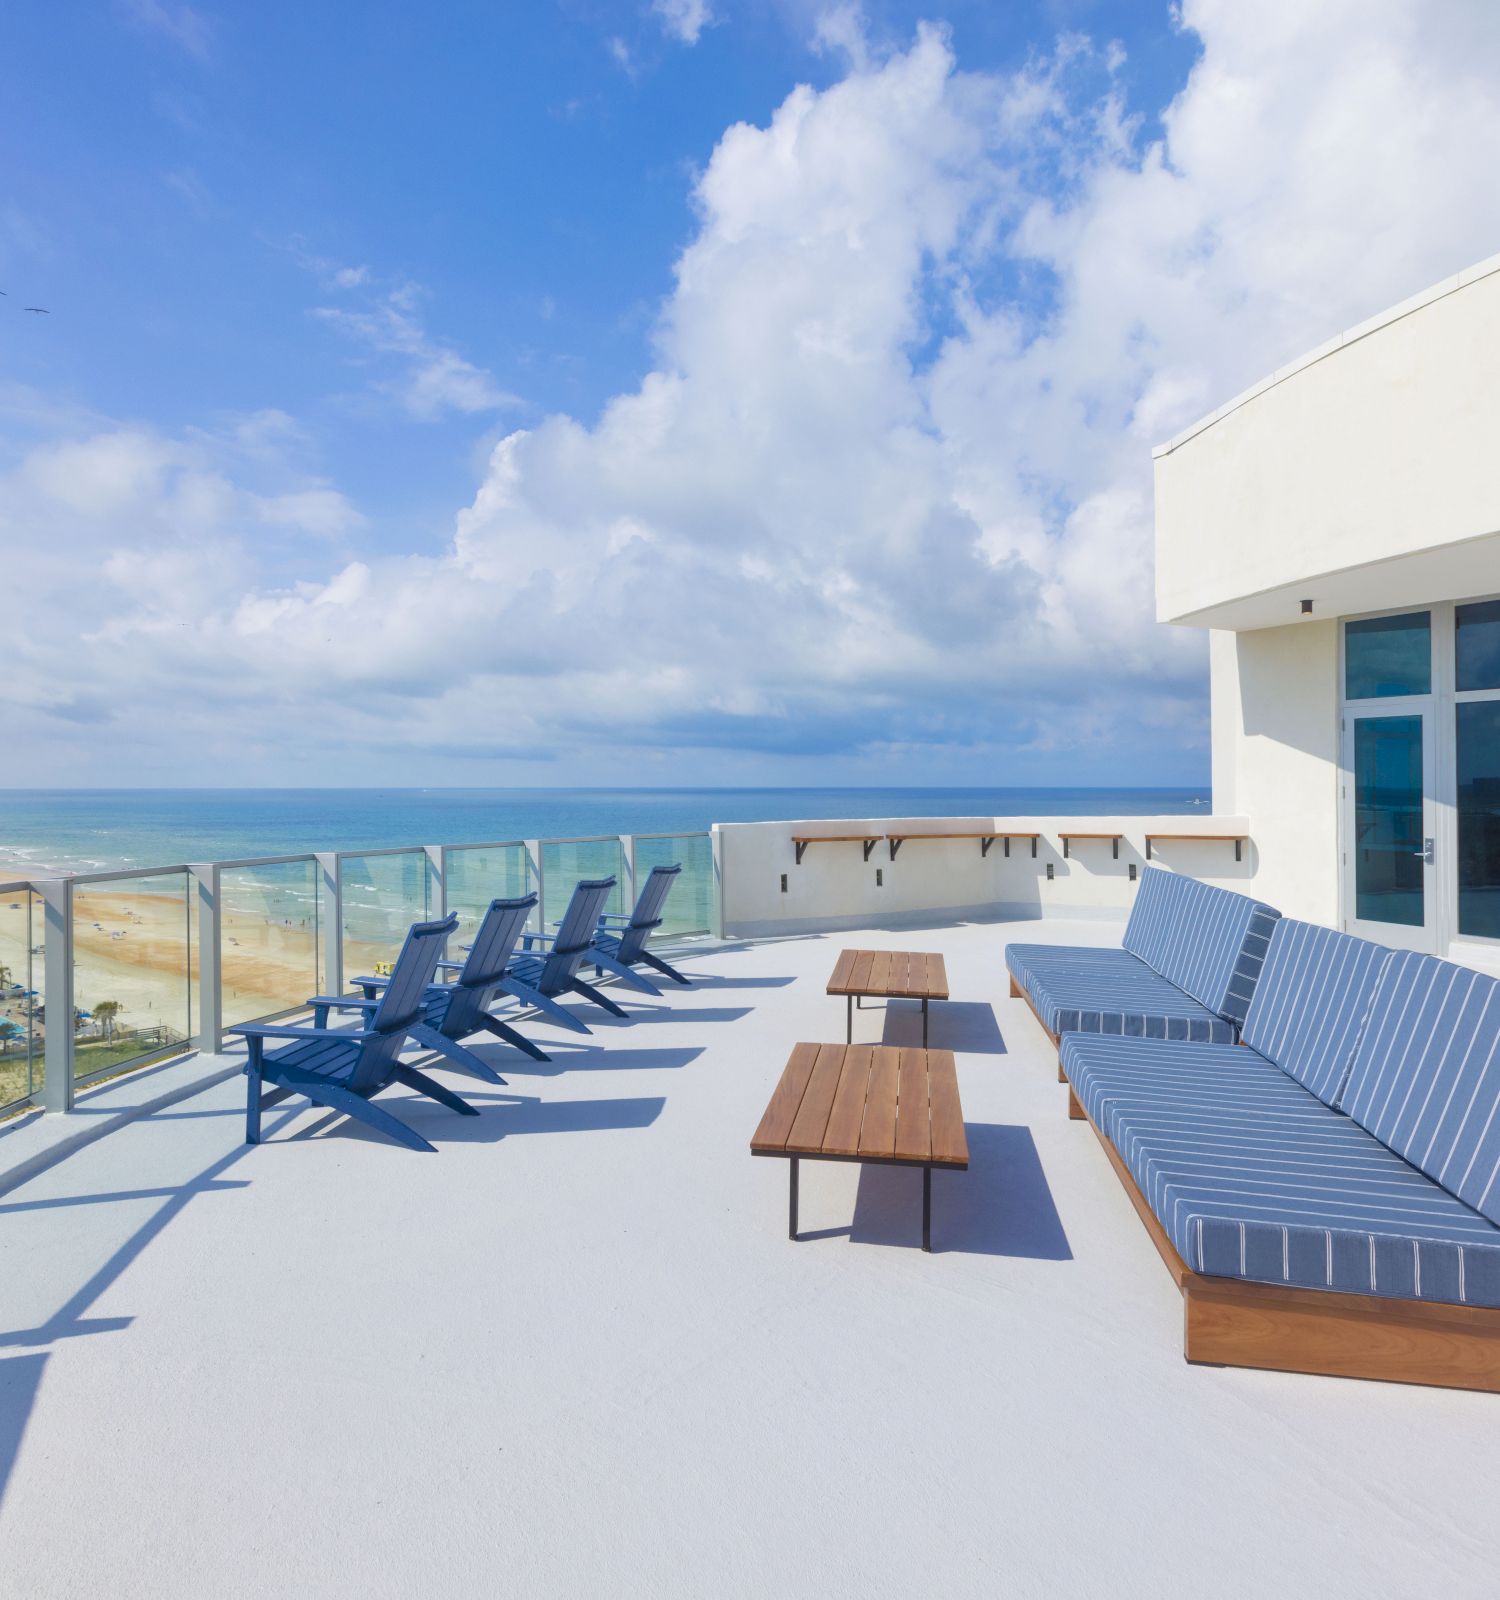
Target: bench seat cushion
[
  {"x": 1253, "y": 1177},
  {"x": 1076, "y": 988}
]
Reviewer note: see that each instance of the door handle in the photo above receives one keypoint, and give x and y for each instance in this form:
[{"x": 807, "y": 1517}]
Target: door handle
[{"x": 1425, "y": 853}]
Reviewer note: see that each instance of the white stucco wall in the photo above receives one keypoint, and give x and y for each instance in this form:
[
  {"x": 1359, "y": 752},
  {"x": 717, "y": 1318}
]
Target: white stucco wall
[
  {"x": 1275, "y": 711},
  {"x": 836, "y": 888},
  {"x": 1361, "y": 477}
]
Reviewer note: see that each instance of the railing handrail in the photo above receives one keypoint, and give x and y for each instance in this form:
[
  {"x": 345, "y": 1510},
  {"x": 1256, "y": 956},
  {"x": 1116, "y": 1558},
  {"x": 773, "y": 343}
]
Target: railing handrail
[{"x": 257, "y": 861}]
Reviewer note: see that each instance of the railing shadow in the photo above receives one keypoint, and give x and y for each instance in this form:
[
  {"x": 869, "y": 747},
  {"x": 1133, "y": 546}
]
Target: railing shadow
[
  {"x": 501, "y": 1116},
  {"x": 20, "y": 1378}
]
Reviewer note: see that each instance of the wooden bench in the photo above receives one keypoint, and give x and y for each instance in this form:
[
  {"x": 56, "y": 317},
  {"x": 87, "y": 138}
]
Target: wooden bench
[
  {"x": 889, "y": 975},
  {"x": 861, "y": 1102},
  {"x": 1113, "y": 839}
]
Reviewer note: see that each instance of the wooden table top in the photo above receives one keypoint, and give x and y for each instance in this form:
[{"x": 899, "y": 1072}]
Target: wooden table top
[
  {"x": 898, "y": 974},
  {"x": 866, "y": 1102}
]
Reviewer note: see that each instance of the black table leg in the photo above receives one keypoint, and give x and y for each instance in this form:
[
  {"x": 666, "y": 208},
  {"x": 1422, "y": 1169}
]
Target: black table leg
[
  {"x": 926, "y": 1209},
  {"x": 791, "y": 1232},
  {"x": 849, "y": 1021},
  {"x": 924, "y": 1024}
]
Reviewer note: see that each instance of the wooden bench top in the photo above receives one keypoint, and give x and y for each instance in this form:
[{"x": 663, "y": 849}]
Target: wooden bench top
[
  {"x": 866, "y": 1102},
  {"x": 1091, "y": 836},
  {"x": 836, "y": 838},
  {"x": 904, "y": 836},
  {"x": 894, "y": 974}
]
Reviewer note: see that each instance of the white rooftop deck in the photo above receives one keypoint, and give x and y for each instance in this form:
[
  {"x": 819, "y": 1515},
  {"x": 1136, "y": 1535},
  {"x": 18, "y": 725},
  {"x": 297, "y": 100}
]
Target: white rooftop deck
[{"x": 574, "y": 1352}]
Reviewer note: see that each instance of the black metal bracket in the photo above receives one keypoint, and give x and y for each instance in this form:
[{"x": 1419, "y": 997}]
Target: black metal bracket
[
  {"x": 1238, "y": 855},
  {"x": 870, "y": 845},
  {"x": 1066, "y": 842},
  {"x": 895, "y": 846},
  {"x": 1115, "y": 847},
  {"x": 801, "y": 846},
  {"x": 1148, "y": 847},
  {"x": 984, "y": 846}
]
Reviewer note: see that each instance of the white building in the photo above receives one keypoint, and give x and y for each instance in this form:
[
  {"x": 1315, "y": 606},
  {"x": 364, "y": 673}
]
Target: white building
[{"x": 1337, "y": 528}]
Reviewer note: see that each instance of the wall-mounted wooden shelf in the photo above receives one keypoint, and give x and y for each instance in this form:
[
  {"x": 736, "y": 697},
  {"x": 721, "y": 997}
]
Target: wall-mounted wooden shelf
[
  {"x": 985, "y": 840},
  {"x": 1114, "y": 839},
  {"x": 868, "y": 840},
  {"x": 1238, "y": 840}
]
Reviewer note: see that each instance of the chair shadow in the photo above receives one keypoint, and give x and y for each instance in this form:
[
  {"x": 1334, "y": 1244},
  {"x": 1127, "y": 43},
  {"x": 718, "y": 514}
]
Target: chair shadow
[
  {"x": 500, "y": 1116},
  {"x": 639, "y": 1008},
  {"x": 1002, "y": 1206},
  {"x": 703, "y": 981},
  {"x": 569, "y": 1058},
  {"x": 966, "y": 1026}
]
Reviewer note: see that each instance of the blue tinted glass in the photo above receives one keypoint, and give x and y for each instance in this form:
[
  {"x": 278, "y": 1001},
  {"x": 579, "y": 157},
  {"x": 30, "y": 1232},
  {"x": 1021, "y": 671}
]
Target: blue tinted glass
[
  {"x": 1388, "y": 820},
  {"x": 1387, "y": 655},
  {"x": 1479, "y": 818},
  {"x": 1477, "y": 648}
]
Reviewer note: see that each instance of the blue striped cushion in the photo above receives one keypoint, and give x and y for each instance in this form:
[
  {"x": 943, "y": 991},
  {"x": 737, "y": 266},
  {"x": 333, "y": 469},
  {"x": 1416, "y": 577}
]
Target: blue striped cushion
[
  {"x": 1078, "y": 988},
  {"x": 1311, "y": 1003},
  {"x": 1253, "y": 1177},
  {"x": 1426, "y": 1075},
  {"x": 1209, "y": 942}
]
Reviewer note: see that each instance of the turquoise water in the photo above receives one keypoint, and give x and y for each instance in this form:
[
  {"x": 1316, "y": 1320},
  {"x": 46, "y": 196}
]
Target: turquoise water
[{"x": 84, "y": 830}]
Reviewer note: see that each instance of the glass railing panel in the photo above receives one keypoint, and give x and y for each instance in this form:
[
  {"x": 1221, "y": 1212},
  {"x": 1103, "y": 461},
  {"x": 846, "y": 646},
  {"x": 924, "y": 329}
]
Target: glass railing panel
[
  {"x": 21, "y": 1004},
  {"x": 477, "y": 874},
  {"x": 134, "y": 964},
  {"x": 565, "y": 861},
  {"x": 689, "y": 907},
  {"x": 383, "y": 896},
  {"x": 270, "y": 938}
]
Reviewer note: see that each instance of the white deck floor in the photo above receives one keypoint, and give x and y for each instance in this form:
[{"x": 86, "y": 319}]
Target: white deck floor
[{"x": 574, "y": 1352}]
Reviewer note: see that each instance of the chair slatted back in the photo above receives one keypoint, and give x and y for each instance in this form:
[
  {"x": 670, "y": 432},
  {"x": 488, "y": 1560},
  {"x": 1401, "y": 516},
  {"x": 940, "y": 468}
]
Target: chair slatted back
[
  {"x": 648, "y": 909},
  {"x": 575, "y": 933},
  {"x": 490, "y": 954},
  {"x": 401, "y": 1001}
]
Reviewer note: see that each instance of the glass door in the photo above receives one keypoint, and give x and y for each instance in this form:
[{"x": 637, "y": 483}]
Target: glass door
[{"x": 1390, "y": 826}]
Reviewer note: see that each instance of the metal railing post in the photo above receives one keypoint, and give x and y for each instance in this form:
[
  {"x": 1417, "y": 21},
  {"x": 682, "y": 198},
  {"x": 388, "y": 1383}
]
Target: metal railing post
[
  {"x": 436, "y": 869},
  {"x": 627, "y": 849},
  {"x": 716, "y": 888},
  {"x": 210, "y": 1035},
  {"x": 332, "y": 868},
  {"x": 57, "y": 969},
  {"x": 534, "y": 861}
]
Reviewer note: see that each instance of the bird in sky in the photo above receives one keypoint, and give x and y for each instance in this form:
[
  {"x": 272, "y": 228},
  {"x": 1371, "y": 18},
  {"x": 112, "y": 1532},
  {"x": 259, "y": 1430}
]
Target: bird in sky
[{"x": 41, "y": 310}]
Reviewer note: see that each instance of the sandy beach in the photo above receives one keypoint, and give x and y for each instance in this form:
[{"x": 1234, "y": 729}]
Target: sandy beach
[{"x": 140, "y": 950}]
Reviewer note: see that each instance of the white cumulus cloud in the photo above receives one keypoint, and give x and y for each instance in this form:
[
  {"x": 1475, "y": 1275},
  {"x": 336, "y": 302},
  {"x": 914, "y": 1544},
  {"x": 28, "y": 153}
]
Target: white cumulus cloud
[
  {"x": 685, "y": 20},
  {"x": 884, "y": 494}
]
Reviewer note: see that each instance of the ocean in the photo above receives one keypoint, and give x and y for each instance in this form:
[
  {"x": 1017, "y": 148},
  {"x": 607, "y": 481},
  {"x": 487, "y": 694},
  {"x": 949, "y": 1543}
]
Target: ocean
[{"x": 92, "y": 830}]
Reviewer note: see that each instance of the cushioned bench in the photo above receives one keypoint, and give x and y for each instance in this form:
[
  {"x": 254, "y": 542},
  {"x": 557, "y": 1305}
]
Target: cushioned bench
[
  {"x": 1326, "y": 1195},
  {"x": 1186, "y": 969}
]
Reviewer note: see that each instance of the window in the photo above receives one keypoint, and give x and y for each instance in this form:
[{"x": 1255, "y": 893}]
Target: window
[
  {"x": 1476, "y": 647},
  {"x": 1388, "y": 656}
]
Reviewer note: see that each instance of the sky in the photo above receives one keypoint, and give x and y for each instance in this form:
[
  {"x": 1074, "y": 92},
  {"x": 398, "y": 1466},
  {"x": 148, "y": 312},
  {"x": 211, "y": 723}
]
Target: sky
[{"x": 666, "y": 391}]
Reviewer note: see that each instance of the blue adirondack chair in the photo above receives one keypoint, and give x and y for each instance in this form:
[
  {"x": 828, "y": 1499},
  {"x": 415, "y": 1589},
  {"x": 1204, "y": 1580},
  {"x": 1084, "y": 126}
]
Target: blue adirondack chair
[
  {"x": 344, "y": 1068},
  {"x": 453, "y": 1011},
  {"x": 538, "y": 976},
  {"x": 620, "y": 941}
]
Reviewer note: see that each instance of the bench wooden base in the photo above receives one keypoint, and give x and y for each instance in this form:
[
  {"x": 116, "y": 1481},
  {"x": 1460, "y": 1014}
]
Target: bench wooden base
[
  {"x": 1228, "y": 1322},
  {"x": 1018, "y": 993}
]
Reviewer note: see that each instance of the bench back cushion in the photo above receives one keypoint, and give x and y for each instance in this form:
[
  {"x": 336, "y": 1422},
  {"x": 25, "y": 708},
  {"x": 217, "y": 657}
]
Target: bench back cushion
[
  {"x": 1311, "y": 1003},
  {"x": 1209, "y": 942},
  {"x": 1426, "y": 1074}
]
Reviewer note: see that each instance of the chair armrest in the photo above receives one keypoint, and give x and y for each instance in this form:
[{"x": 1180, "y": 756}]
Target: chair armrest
[
  {"x": 453, "y": 966},
  {"x": 279, "y": 1030},
  {"x": 538, "y": 938},
  {"x": 369, "y": 983},
  {"x": 615, "y": 916},
  {"x": 345, "y": 1002}
]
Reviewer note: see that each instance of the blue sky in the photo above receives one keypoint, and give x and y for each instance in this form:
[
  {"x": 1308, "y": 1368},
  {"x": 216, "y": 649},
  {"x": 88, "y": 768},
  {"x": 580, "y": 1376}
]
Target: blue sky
[{"x": 400, "y": 362}]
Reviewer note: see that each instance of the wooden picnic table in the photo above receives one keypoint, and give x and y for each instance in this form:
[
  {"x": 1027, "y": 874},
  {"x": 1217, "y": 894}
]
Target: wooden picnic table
[
  {"x": 889, "y": 975},
  {"x": 868, "y": 1103}
]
